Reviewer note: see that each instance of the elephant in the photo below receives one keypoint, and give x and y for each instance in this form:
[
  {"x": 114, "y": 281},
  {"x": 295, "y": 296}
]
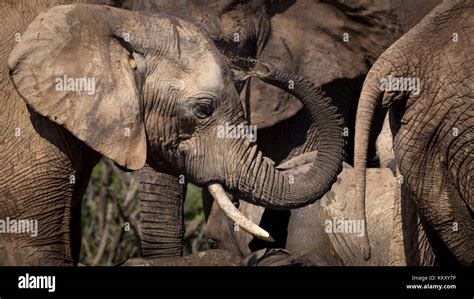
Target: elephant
[
  {"x": 273, "y": 31},
  {"x": 86, "y": 81},
  {"x": 162, "y": 192},
  {"x": 431, "y": 118},
  {"x": 310, "y": 229}
]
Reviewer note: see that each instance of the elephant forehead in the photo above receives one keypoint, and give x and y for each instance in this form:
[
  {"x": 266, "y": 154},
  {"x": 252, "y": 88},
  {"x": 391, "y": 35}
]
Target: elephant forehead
[{"x": 209, "y": 74}]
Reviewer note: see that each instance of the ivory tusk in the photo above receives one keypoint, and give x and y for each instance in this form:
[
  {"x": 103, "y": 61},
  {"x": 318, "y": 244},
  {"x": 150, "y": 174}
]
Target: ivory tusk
[{"x": 233, "y": 213}]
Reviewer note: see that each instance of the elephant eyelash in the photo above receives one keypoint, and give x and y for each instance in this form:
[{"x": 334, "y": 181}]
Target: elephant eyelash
[{"x": 203, "y": 110}]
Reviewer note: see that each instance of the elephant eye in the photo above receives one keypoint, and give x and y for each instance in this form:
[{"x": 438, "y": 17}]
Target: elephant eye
[{"x": 203, "y": 108}]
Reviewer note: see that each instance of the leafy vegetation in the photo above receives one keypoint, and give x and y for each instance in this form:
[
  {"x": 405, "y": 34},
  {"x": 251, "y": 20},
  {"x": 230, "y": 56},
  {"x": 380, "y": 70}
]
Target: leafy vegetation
[{"x": 110, "y": 217}]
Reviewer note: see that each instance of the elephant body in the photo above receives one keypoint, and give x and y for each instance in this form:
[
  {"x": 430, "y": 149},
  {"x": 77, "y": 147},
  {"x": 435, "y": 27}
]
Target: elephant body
[
  {"x": 290, "y": 44},
  {"x": 432, "y": 123},
  {"x": 308, "y": 227},
  {"x": 51, "y": 139}
]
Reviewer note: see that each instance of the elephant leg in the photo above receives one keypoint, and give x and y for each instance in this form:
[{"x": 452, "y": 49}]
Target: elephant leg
[
  {"x": 161, "y": 216},
  {"x": 44, "y": 201},
  {"x": 410, "y": 244},
  {"x": 53, "y": 221},
  {"x": 45, "y": 172}
]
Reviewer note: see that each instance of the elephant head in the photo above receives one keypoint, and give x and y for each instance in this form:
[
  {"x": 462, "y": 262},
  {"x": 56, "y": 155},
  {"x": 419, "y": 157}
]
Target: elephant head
[{"x": 163, "y": 101}]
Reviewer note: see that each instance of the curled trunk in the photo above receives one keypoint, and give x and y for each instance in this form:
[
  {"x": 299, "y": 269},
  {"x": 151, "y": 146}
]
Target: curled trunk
[{"x": 260, "y": 183}]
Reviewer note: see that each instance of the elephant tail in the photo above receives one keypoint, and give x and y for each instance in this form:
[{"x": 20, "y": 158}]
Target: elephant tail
[{"x": 370, "y": 98}]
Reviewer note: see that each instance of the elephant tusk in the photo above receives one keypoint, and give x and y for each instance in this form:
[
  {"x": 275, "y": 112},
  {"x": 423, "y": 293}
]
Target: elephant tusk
[{"x": 233, "y": 213}]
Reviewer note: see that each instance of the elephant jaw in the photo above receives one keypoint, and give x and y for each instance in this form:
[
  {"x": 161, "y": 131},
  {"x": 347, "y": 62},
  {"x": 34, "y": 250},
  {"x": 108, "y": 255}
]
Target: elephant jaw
[{"x": 219, "y": 195}]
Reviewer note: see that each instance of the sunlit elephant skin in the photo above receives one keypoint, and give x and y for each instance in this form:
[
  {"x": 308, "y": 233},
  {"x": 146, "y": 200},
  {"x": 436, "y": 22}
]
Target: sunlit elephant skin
[
  {"x": 37, "y": 143},
  {"x": 432, "y": 122},
  {"x": 239, "y": 29},
  {"x": 148, "y": 102},
  {"x": 315, "y": 48},
  {"x": 275, "y": 31},
  {"x": 162, "y": 192},
  {"x": 334, "y": 44}
]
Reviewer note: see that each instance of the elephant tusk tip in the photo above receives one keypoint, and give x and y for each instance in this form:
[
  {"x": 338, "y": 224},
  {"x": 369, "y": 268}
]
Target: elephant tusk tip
[
  {"x": 269, "y": 239},
  {"x": 262, "y": 235}
]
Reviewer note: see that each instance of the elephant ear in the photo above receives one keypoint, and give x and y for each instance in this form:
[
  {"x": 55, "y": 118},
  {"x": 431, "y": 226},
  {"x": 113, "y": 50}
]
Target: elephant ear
[{"x": 70, "y": 68}]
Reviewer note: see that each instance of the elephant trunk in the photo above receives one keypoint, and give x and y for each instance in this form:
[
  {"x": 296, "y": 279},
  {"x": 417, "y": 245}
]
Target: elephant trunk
[
  {"x": 260, "y": 183},
  {"x": 161, "y": 215}
]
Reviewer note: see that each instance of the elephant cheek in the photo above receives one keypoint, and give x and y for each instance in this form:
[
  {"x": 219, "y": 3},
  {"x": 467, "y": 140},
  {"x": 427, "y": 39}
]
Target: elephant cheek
[{"x": 181, "y": 156}]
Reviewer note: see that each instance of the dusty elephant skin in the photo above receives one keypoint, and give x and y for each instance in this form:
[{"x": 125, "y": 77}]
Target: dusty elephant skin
[
  {"x": 161, "y": 193},
  {"x": 37, "y": 149},
  {"x": 432, "y": 123},
  {"x": 299, "y": 37},
  {"x": 93, "y": 83},
  {"x": 239, "y": 29}
]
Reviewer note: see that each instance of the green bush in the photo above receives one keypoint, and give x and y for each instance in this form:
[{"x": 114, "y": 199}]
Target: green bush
[{"x": 110, "y": 217}]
